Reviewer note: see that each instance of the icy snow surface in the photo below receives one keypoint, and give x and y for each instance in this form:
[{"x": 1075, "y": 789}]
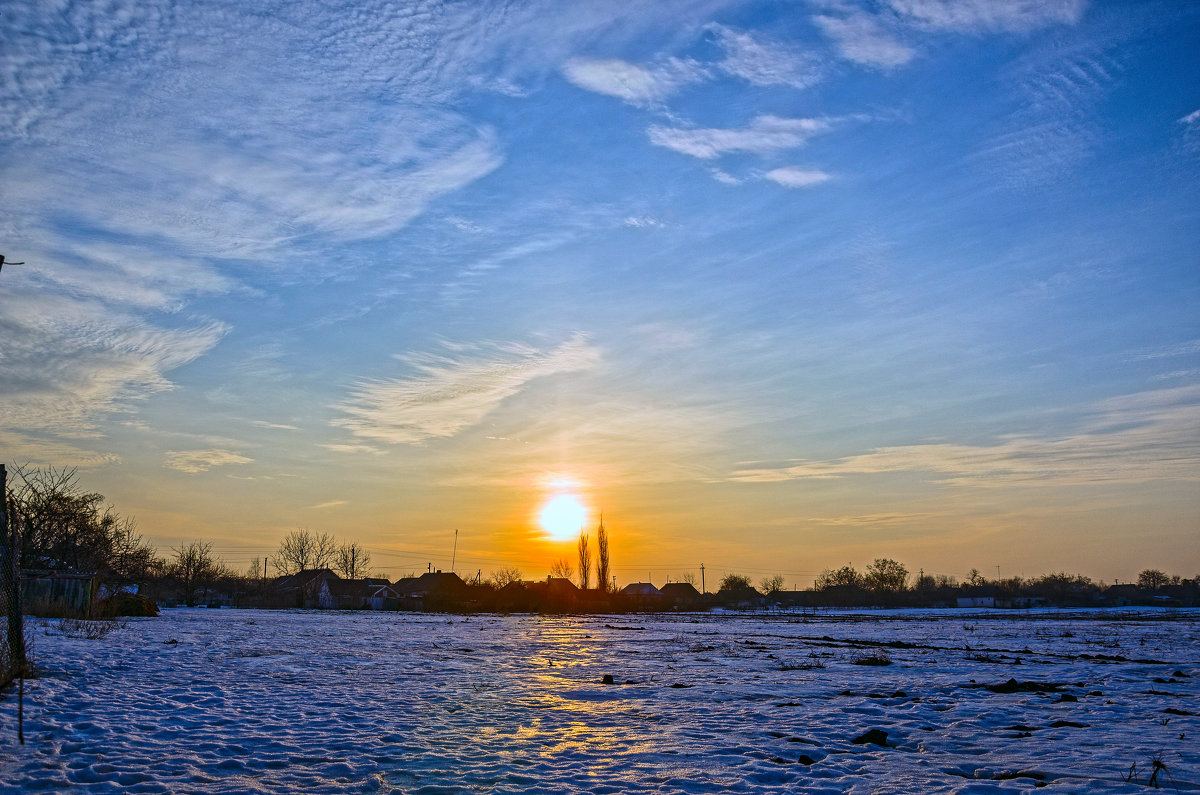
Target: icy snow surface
[{"x": 239, "y": 700}]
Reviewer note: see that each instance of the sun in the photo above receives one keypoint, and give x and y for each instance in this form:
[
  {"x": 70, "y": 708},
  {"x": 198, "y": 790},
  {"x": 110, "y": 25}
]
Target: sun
[{"x": 562, "y": 517}]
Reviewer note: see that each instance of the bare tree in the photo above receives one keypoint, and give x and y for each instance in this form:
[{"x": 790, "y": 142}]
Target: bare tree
[
  {"x": 603, "y": 566},
  {"x": 562, "y": 569},
  {"x": 194, "y": 566},
  {"x": 353, "y": 562},
  {"x": 585, "y": 562},
  {"x": 132, "y": 557},
  {"x": 503, "y": 577},
  {"x": 770, "y": 585},
  {"x": 63, "y": 527},
  {"x": 689, "y": 578},
  {"x": 302, "y": 549}
]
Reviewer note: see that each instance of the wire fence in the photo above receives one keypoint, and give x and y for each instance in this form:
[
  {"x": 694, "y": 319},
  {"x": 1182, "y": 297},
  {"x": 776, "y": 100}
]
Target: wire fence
[{"x": 12, "y": 641}]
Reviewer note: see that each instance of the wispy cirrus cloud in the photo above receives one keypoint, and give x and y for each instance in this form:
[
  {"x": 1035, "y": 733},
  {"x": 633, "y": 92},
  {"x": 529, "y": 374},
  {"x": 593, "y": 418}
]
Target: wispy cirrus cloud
[
  {"x": 68, "y": 362},
  {"x": 450, "y": 393},
  {"x": 331, "y": 504},
  {"x": 1052, "y": 126},
  {"x": 275, "y": 426},
  {"x": 1146, "y": 436},
  {"x": 887, "y": 38},
  {"x": 764, "y": 134},
  {"x": 989, "y": 15},
  {"x": 637, "y": 85},
  {"x": 193, "y": 461}
]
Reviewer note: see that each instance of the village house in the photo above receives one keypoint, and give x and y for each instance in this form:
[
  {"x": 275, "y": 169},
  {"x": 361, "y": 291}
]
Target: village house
[
  {"x": 681, "y": 595},
  {"x": 642, "y": 594}
]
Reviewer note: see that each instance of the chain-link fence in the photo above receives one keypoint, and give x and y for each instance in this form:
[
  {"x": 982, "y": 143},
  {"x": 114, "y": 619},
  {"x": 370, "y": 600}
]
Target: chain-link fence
[{"x": 12, "y": 639}]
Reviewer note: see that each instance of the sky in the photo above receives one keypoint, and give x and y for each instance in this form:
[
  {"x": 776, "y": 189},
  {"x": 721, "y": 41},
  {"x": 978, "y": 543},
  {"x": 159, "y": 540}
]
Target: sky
[{"x": 777, "y": 286}]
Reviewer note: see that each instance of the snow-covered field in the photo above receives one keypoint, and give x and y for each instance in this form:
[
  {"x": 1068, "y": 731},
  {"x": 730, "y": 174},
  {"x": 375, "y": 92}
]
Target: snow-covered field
[{"x": 235, "y": 701}]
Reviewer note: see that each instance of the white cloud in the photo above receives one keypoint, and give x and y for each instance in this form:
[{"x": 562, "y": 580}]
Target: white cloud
[
  {"x": 202, "y": 460},
  {"x": 274, "y": 425},
  {"x": 1178, "y": 349},
  {"x": 861, "y": 38},
  {"x": 764, "y": 63},
  {"x": 764, "y": 134},
  {"x": 67, "y": 361},
  {"x": 323, "y": 505},
  {"x": 1146, "y": 436},
  {"x": 642, "y": 221},
  {"x": 990, "y": 15},
  {"x": 452, "y": 393},
  {"x": 353, "y": 449},
  {"x": 1191, "y": 118},
  {"x": 797, "y": 177},
  {"x": 634, "y": 84},
  {"x": 1052, "y": 128}
]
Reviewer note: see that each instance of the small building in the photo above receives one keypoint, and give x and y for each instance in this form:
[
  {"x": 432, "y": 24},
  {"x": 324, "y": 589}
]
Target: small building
[
  {"x": 364, "y": 594},
  {"x": 642, "y": 594},
  {"x": 435, "y": 590},
  {"x": 308, "y": 588},
  {"x": 58, "y": 594},
  {"x": 681, "y": 595}
]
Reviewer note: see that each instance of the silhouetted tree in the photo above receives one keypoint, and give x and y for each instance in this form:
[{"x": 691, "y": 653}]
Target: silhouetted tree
[
  {"x": 585, "y": 562},
  {"x": 133, "y": 559},
  {"x": 352, "y": 561},
  {"x": 63, "y": 527},
  {"x": 1152, "y": 578},
  {"x": 1060, "y": 587},
  {"x": 302, "y": 549},
  {"x": 603, "y": 569},
  {"x": 770, "y": 585},
  {"x": 194, "y": 566},
  {"x": 845, "y": 576},
  {"x": 562, "y": 569},
  {"x": 886, "y": 575},
  {"x": 503, "y": 577},
  {"x": 735, "y": 582}
]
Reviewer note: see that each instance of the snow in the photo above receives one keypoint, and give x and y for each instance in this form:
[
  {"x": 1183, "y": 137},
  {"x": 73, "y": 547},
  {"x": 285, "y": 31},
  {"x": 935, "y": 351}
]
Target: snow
[{"x": 242, "y": 701}]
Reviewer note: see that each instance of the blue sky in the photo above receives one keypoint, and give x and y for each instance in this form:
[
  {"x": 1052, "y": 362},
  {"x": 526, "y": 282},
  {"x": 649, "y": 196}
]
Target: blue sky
[{"x": 777, "y": 286}]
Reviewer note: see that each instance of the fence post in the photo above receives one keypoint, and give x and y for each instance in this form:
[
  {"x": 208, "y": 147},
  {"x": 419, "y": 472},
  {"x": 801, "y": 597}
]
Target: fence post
[{"x": 10, "y": 594}]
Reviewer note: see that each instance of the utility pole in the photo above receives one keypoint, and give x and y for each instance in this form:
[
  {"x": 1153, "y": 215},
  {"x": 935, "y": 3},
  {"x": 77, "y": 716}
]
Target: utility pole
[
  {"x": 703, "y": 590},
  {"x": 454, "y": 554}
]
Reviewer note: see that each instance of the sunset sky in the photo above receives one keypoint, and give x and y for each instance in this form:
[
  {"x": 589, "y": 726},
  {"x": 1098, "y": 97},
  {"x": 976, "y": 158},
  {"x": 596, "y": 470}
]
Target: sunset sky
[{"x": 776, "y": 285}]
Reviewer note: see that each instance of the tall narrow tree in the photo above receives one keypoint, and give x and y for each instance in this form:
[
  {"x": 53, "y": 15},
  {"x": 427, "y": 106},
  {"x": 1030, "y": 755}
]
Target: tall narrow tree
[
  {"x": 603, "y": 568},
  {"x": 585, "y": 562}
]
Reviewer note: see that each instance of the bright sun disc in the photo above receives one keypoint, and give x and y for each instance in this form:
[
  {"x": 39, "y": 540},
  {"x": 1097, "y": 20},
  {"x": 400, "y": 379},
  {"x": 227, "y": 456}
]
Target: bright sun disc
[{"x": 562, "y": 517}]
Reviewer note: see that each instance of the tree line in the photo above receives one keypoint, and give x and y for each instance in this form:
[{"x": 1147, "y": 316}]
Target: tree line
[{"x": 61, "y": 526}]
